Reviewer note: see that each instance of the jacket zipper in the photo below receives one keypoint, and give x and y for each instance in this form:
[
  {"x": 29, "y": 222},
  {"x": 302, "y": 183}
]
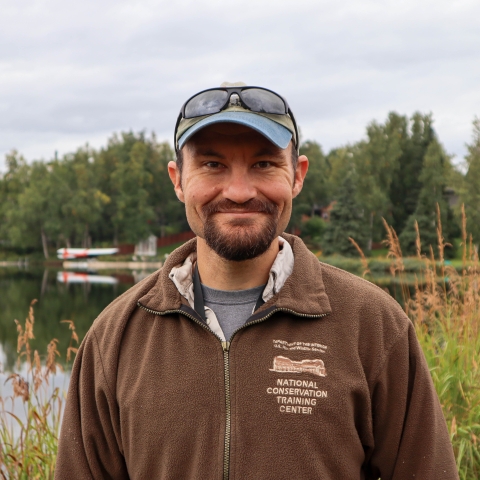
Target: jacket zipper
[{"x": 226, "y": 367}]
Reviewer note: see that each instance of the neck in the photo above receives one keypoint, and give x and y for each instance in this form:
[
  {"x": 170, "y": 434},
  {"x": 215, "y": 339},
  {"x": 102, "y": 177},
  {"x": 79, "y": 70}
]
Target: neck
[{"x": 216, "y": 272}]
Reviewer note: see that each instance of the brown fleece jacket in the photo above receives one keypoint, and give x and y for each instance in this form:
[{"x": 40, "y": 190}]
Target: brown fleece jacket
[{"x": 325, "y": 381}]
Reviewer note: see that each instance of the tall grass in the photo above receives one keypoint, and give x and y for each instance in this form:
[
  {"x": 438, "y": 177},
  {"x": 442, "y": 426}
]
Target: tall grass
[
  {"x": 445, "y": 308},
  {"x": 30, "y": 417}
]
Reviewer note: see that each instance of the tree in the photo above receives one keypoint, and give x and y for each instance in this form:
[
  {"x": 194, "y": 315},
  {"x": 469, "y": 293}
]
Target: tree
[
  {"x": 169, "y": 211},
  {"x": 376, "y": 164},
  {"x": 315, "y": 191},
  {"x": 346, "y": 220},
  {"x": 406, "y": 184},
  {"x": 133, "y": 211},
  {"x": 470, "y": 194},
  {"x": 27, "y": 221},
  {"x": 340, "y": 164},
  {"x": 432, "y": 178},
  {"x": 83, "y": 202},
  {"x": 13, "y": 182}
]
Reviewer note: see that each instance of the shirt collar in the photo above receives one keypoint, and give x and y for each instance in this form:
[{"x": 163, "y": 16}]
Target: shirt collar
[{"x": 282, "y": 268}]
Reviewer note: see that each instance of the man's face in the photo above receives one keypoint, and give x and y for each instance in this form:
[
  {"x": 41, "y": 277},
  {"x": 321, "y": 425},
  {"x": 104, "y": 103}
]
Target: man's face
[{"x": 237, "y": 188}]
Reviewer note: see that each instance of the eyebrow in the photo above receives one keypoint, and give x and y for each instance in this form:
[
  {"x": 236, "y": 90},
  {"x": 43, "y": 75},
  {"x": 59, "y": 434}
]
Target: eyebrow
[
  {"x": 208, "y": 152},
  {"x": 267, "y": 151}
]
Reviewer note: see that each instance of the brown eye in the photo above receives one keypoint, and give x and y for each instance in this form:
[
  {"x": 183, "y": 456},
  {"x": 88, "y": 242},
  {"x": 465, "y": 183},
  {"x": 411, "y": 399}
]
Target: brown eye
[
  {"x": 262, "y": 165},
  {"x": 213, "y": 165}
]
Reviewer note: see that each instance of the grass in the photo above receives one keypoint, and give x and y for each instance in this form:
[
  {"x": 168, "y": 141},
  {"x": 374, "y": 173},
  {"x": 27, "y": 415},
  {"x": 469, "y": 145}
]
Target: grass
[
  {"x": 445, "y": 309},
  {"x": 30, "y": 417},
  {"x": 380, "y": 265},
  {"x": 444, "y": 306}
]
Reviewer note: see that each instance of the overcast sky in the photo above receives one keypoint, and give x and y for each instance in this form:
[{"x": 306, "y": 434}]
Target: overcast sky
[{"x": 74, "y": 71}]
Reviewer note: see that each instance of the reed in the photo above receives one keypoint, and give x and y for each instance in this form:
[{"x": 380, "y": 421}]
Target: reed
[
  {"x": 30, "y": 417},
  {"x": 445, "y": 310}
]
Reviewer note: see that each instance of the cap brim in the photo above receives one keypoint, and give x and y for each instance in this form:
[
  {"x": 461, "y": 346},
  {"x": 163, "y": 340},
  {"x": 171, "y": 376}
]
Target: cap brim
[{"x": 273, "y": 131}]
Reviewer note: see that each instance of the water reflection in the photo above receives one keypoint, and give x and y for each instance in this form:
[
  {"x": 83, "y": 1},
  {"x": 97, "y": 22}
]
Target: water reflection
[
  {"x": 81, "y": 277},
  {"x": 62, "y": 295}
]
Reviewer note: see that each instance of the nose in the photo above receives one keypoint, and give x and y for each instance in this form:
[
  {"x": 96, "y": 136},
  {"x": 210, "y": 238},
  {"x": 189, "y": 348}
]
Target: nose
[{"x": 239, "y": 187}]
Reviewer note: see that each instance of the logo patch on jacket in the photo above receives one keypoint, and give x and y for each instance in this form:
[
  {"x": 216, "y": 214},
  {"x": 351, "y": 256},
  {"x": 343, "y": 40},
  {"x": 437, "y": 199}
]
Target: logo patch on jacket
[{"x": 294, "y": 395}]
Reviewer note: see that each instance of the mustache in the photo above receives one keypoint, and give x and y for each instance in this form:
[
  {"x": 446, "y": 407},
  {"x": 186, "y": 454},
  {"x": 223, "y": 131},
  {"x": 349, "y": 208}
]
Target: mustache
[{"x": 252, "y": 205}]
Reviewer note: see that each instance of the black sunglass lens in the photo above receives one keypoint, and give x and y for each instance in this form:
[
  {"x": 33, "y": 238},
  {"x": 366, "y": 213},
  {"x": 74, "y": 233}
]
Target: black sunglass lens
[
  {"x": 263, "y": 101},
  {"x": 206, "y": 103}
]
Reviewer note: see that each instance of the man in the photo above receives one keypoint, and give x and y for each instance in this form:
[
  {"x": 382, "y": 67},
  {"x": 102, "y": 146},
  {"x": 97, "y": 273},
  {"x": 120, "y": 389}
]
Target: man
[{"x": 244, "y": 357}]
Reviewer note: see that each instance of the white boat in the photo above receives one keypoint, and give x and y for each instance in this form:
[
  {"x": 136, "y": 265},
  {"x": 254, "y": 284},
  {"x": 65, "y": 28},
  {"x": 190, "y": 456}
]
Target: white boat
[{"x": 72, "y": 253}]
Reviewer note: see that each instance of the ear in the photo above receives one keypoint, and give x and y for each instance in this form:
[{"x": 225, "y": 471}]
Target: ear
[
  {"x": 176, "y": 178},
  {"x": 300, "y": 173}
]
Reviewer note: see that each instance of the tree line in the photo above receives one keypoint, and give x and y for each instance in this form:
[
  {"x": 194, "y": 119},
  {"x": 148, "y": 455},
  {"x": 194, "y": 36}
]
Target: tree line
[
  {"x": 400, "y": 172},
  {"x": 121, "y": 193}
]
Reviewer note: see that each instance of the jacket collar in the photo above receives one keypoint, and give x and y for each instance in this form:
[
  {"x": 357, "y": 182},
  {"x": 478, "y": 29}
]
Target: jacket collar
[{"x": 303, "y": 291}]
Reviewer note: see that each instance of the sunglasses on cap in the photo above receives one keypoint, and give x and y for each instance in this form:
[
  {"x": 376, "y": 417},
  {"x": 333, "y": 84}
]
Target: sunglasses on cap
[{"x": 214, "y": 100}]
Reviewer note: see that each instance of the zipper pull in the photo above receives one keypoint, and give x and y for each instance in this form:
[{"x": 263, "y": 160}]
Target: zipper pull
[{"x": 225, "y": 346}]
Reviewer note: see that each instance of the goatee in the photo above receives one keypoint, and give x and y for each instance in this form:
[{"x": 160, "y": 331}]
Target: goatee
[{"x": 241, "y": 238}]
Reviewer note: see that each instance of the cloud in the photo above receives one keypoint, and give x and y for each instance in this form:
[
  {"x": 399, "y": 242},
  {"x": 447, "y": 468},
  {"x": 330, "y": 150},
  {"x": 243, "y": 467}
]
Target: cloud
[{"x": 78, "y": 71}]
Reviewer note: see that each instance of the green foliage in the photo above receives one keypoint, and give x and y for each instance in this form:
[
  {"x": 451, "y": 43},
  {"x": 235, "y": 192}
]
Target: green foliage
[
  {"x": 346, "y": 220},
  {"x": 121, "y": 193},
  {"x": 315, "y": 191},
  {"x": 376, "y": 165},
  {"x": 315, "y": 187},
  {"x": 432, "y": 194},
  {"x": 406, "y": 184},
  {"x": 340, "y": 163},
  {"x": 470, "y": 193},
  {"x": 313, "y": 230}
]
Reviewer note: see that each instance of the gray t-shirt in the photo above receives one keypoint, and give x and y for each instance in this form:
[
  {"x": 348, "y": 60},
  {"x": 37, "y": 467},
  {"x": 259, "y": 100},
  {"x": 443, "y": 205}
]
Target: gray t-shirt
[{"x": 231, "y": 307}]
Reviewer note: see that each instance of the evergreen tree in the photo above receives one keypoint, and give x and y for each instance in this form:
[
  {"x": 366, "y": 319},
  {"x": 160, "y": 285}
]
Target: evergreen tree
[
  {"x": 432, "y": 178},
  {"x": 376, "y": 164},
  {"x": 406, "y": 184},
  {"x": 315, "y": 188},
  {"x": 346, "y": 220},
  {"x": 470, "y": 194},
  {"x": 340, "y": 163},
  {"x": 314, "y": 193}
]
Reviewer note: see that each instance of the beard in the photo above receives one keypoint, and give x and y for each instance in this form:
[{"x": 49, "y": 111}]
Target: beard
[{"x": 241, "y": 238}]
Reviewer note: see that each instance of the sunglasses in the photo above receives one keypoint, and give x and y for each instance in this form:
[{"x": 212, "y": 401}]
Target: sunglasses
[{"x": 255, "y": 99}]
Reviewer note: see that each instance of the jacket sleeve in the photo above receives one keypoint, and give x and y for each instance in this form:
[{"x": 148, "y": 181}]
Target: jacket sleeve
[
  {"x": 410, "y": 433},
  {"x": 89, "y": 444}
]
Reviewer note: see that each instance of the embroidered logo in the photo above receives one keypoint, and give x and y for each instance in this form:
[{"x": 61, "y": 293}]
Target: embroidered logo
[{"x": 283, "y": 364}]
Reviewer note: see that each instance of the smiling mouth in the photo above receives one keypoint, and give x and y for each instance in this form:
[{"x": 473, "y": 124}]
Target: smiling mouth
[
  {"x": 241, "y": 212},
  {"x": 248, "y": 209}
]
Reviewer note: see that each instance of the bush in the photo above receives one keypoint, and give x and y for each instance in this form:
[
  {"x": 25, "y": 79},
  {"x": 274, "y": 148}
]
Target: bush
[{"x": 313, "y": 230}]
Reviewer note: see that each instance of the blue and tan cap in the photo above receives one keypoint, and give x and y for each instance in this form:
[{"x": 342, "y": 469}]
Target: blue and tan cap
[{"x": 279, "y": 129}]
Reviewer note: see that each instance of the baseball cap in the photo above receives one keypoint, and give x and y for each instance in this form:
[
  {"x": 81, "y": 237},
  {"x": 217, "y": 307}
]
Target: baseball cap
[{"x": 280, "y": 129}]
